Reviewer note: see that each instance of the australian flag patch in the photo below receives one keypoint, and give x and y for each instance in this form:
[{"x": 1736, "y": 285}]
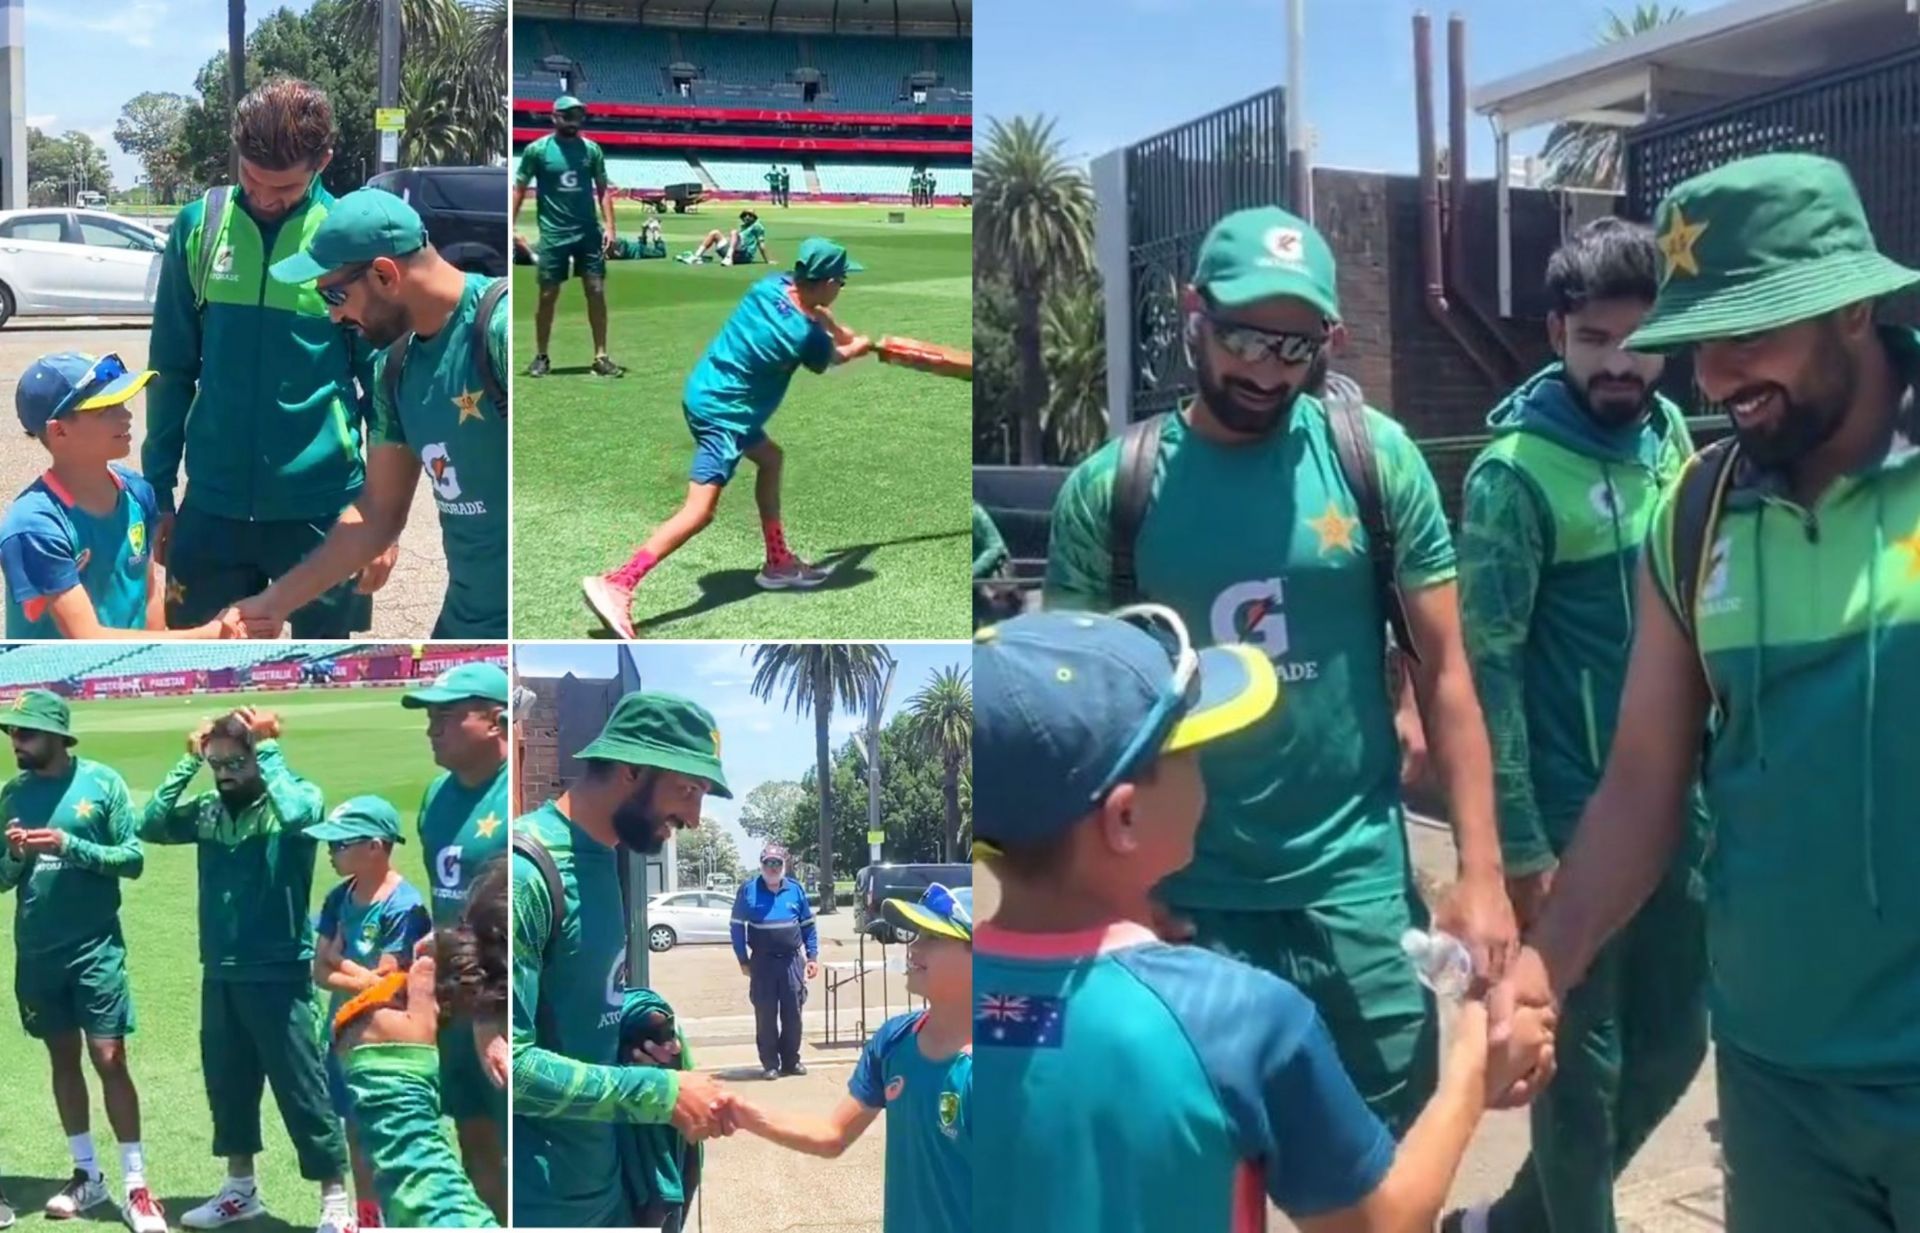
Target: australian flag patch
[{"x": 1020, "y": 1020}]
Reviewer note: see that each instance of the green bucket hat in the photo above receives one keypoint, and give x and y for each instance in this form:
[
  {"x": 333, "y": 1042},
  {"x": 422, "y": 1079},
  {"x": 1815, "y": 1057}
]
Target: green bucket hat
[
  {"x": 1267, "y": 254},
  {"x": 821, "y": 259},
  {"x": 364, "y": 224},
  {"x": 566, "y": 102},
  {"x": 363, "y": 817},
  {"x": 486, "y": 682},
  {"x": 40, "y": 710},
  {"x": 661, "y": 730},
  {"x": 1762, "y": 243}
]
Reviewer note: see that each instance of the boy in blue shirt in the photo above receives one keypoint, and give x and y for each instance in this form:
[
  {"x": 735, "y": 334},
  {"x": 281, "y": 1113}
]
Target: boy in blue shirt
[
  {"x": 369, "y": 926},
  {"x": 784, "y": 322},
  {"x": 76, "y": 546},
  {"x": 918, "y": 1069},
  {"x": 1213, "y": 1085}
]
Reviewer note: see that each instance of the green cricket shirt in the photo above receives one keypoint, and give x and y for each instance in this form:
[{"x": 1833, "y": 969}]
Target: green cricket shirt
[
  {"x": 396, "y": 1110},
  {"x": 70, "y": 902},
  {"x": 461, "y": 830},
  {"x": 565, "y": 173}
]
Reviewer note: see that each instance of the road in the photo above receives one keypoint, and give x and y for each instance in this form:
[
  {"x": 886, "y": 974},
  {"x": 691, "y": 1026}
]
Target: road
[{"x": 404, "y": 609}]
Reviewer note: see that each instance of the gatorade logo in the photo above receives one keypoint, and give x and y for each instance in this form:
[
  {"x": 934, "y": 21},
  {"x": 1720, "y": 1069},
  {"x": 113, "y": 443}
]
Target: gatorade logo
[
  {"x": 1250, "y": 613},
  {"x": 1606, "y": 502},
  {"x": 1714, "y": 600},
  {"x": 223, "y": 262},
  {"x": 1286, "y": 245},
  {"x": 446, "y": 867},
  {"x": 439, "y": 468},
  {"x": 570, "y": 180}
]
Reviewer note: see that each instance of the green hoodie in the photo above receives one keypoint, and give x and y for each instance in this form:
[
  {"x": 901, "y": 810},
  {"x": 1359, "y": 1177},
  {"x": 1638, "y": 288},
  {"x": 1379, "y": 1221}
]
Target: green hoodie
[
  {"x": 1556, "y": 509},
  {"x": 257, "y": 386}
]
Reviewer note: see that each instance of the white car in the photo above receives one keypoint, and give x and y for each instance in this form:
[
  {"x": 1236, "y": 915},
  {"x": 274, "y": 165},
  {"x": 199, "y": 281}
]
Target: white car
[
  {"x": 60, "y": 262},
  {"x": 687, "y": 916}
]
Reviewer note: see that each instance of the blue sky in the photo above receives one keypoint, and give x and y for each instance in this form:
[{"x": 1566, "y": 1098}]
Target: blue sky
[
  {"x": 86, "y": 58},
  {"x": 759, "y": 741},
  {"x": 1114, "y": 71}
]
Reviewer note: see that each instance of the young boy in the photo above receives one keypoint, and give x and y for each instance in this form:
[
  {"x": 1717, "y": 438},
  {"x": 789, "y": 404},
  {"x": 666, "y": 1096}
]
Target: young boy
[
  {"x": 918, "y": 1069},
  {"x": 1212, "y": 1086},
  {"x": 784, "y": 321},
  {"x": 77, "y": 546},
  {"x": 369, "y": 926}
]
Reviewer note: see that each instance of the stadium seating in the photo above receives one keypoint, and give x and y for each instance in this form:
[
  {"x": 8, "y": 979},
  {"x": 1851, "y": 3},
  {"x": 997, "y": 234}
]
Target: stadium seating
[
  {"x": 59, "y": 661},
  {"x": 632, "y": 171},
  {"x": 750, "y": 176},
  {"x": 953, "y": 181},
  {"x": 205, "y": 656},
  {"x": 875, "y": 179},
  {"x": 866, "y": 74}
]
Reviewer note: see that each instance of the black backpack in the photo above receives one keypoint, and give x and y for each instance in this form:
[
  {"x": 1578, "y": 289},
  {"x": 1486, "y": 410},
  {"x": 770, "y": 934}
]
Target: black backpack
[
  {"x": 490, "y": 381},
  {"x": 1696, "y": 519},
  {"x": 1346, "y": 413}
]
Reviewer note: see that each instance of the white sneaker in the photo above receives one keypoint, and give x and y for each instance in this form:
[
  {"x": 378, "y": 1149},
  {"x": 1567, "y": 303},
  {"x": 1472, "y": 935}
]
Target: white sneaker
[
  {"x": 337, "y": 1218},
  {"x": 797, "y": 575},
  {"x": 6, "y": 1213},
  {"x": 229, "y": 1205},
  {"x": 81, "y": 1193},
  {"x": 143, "y": 1212}
]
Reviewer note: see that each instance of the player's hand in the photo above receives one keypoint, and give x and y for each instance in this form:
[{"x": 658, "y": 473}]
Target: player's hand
[
  {"x": 163, "y": 540},
  {"x": 1526, "y": 990},
  {"x": 697, "y": 1111},
  {"x": 197, "y": 739},
  {"x": 227, "y": 625},
  {"x": 414, "y": 1020},
  {"x": 606, "y": 245},
  {"x": 813, "y": 968},
  {"x": 1477, "y": 912},
  {"x": 858, "y": 346},
  {"x": 44, "y": 842},
  {"x": 374, "y": 575},
  {"x": 1522, "y": 1063},
  {"x": 16, "y": 838},
  {"x": 496, "y": 1052},
  {"x": 1528, "y": 894},
  {"x": 265, "y": 725},
  {"x": 261, "y": 618},
  {"x": 746, "y": 969}
]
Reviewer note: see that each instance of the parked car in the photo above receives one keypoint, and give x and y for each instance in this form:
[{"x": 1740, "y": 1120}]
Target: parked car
[
  {"x": 876, "y": 884},
  {"x": 464, "y": 209},
  {"x": 58, "y": 263},
  {"x": 687, "y": 916}
]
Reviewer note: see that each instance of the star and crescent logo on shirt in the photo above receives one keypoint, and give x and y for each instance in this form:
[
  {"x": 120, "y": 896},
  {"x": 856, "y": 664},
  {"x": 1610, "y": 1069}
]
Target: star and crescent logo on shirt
[{"x": 468, "y": 401}]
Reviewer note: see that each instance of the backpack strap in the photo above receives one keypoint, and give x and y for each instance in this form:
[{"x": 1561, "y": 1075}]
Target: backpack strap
[
  {"x": 1696, "y": 517},
  {"x": 1347, "y": 415},
  {"x": 1132, "y": 493},
  {"x": 490, "y": 380},
  {"x": 396, "y": 366},
  {"x": 213, "y": 212},
  {"x": 530, "y": 847}
]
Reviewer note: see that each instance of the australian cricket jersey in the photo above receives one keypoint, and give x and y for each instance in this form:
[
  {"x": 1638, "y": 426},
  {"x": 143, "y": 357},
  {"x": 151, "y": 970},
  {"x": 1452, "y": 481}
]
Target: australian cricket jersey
[
  {"x": 460, "y": 437},
  {"x": 396, "y": 1112},
  {"x": 49, "y": 545},
  {"x": 1808, "y": 623},
  {"x": 255, "y": 867},
  {"x": 70, "y": 901},
  {"x": 367, "y": 931},
  {"x": 1261, "y": 544},
  {"x": 929, "y": 1108},
  {"x": 1213, "y": 1087},
  {"x": 568, "y": 992},
  {"x": 739, "y": 382},
  {"x": 565, "y": 172},
  {"x": 461, "y": 829}
]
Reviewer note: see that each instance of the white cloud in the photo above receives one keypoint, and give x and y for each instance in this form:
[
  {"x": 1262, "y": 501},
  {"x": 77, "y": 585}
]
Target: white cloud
[
  {"x": 43, "y": 123},
  {"x": 133, "y": 22}
]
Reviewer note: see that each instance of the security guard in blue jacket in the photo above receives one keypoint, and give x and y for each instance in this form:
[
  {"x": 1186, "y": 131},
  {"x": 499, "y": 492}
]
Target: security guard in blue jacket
[{"x": 773, "y": 920}]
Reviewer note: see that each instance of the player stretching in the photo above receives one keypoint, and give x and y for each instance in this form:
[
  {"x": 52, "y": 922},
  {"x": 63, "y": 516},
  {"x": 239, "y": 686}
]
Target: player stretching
[
  {"x": 744, "y": 245},
  {"x": 784, "y": 321},
  {"x": 569, "y": 172}
]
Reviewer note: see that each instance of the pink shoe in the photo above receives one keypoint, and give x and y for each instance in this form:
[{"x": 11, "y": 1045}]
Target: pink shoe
[{"x": 612, "y": 602}]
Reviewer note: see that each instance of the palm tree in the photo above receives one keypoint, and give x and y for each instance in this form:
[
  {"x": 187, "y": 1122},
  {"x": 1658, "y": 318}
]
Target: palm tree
[
  {"x": 430, "y": 23},
  {"x": 1033, "y": 224},
  {"x": 940, "y": 725},
  {"x": 1073, "y": 335},
  {"x": 1594, "y": 155},
  {"x": 816, "y": 677}
]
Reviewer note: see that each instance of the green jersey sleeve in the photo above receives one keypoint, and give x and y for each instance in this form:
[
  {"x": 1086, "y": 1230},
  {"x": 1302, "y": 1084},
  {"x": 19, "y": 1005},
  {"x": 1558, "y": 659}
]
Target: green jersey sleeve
[
  {"x": 1503, "y": 550},
  {"x": 1079, "y": 542},
  {"x": 384, "y": 425},
  {"x": 1658, "y": 550},
  {"x": 1424, "y": 549},
  {"x": 598, "y": 168},
  {"x": 170, "y": 816},
  {"x": 298, "y": 803},
  {"x": 529, "y": 164},
  {"x": 497, "y": 339},
  {"x": 13, "y": 869},
  {"x": 117, "y": 853},
  {"x": 989, "y": 550},
  {"x": 396, "y": 1110}
]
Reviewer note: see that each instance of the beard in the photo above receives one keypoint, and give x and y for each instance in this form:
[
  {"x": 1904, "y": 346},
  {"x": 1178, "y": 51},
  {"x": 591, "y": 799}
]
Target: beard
[
  {"x": 1240, "y": 405},
  {"x": 636, "y": 823},
  {"x": 380, "y": 329},
  {"x": 1611, "y": 409},
  {"x": 238, "y": 794},
  {"x": 567, "y": 130},
  {"x": 1806, "y": 423},
  {"x": 37, "y": 758}
]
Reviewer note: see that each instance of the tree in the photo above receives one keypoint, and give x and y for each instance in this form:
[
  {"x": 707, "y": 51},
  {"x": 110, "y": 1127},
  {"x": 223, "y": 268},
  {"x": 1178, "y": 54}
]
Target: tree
[
  {"x": 768, "y": 812},
  {"x": 1073, "y": 336},
  {"x": 149, "y": 128},
  {"x": 1580, "y": 155},
  {"x": 912, "y": 804},
  {"x": 940, "y": 723},
  {"x": 815, "y": 678},
  {"x": 1033, "y": 225},
  {"x": 59, "y": 167},
  {"x": 707, "y": 850},
  {"x": 996, "y": 373}
]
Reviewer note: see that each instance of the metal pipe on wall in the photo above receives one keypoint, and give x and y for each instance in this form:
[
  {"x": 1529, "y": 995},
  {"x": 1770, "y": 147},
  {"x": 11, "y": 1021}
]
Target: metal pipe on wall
[
  {"x": 1457, "y": 281},
  {"x": 1299, "y": 157}
]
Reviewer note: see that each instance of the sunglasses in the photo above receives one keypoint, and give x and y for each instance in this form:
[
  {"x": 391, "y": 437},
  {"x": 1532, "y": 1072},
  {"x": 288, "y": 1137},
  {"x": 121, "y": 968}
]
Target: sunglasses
[
  {"x": 1252, "y": 345},
  {"x": 336, "y": 295},
  {"x": 773, "y": 864},
  {"x": 233, "y": 763},
  {"x": 1184, "y": 664},
  {"x": 341, "y": 845},
  {"x": 105, "y": 371}
]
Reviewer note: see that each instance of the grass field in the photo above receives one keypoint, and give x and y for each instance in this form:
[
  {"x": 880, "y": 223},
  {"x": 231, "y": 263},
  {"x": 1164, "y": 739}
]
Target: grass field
[
  {"x": 877, "y": 458},
  {"x": 346, "y": 742}
]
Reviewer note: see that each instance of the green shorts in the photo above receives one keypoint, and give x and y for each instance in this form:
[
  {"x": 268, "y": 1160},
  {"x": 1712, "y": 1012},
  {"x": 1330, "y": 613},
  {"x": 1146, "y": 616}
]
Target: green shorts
[
  {"x": 586, "y": 258},
  {"x": 84, "y": 990},
  {"x": 465, "y": 1090}
]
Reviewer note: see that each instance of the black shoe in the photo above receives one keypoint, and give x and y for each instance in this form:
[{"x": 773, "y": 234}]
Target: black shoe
[
  {"x": 770, "y": 1074},
  {"x": 603, "y": 366},
  {"x": 540, "y": 367},
  {"x": 798, "y": 1068}
]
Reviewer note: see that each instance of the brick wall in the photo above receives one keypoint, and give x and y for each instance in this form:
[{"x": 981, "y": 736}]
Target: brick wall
[{"x": 537, "y": 771}]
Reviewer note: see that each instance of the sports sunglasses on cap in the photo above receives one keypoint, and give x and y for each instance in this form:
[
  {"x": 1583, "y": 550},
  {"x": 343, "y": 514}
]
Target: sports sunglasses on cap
[
  {"x": 1171, "y": 633},
  {"x": 105, "y": 371}
]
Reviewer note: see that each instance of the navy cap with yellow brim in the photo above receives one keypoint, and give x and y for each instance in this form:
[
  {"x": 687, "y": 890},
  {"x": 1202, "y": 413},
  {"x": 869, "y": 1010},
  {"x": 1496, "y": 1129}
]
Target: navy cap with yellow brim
[
  {"x": 940, "y": 912},
  {"x": 65, "y": 382},
  {"x": 363, "y": 225}
]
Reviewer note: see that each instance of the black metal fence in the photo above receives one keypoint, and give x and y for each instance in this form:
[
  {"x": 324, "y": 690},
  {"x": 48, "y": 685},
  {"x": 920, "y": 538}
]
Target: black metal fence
[{"x": 1179, "y": 184}]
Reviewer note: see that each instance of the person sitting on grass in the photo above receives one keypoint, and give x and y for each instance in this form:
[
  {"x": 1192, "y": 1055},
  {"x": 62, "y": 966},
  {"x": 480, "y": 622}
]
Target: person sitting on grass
[
  {"x": 369, "y": 926},
  {"x": 744, "y": 245},
  {"x": 917, "y": 1068},
  {"x": 77, "y": 543}
]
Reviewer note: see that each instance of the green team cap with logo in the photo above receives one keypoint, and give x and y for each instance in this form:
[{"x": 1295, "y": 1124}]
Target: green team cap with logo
[
  {"x": 39, "y": 710},
  {"x": 663, "y": 731},
  {"x": 1267, "y": 254},
  {"x": 566, "y": 102},
  {"x": 362, "y": 225},
  {"x": 821, "y": 259},
  {"x": 363, "y": 817},
  {"x": 1759, "y": 244},
  {"x": 485, "y": 682}
]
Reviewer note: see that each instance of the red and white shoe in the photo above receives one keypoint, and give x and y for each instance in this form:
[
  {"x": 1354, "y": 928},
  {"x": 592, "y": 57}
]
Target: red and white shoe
[
  {"x": 230, "y": 1205},
  {"x": 793, "y": 574},
  {"x": 612, "y": 601},
  {"x": 367, "y": 1214},
  {"x": 143, "y": 1212}
]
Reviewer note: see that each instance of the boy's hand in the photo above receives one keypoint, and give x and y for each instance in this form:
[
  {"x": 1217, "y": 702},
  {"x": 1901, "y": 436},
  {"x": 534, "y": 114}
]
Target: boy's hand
[
  {"x": 858, "y": 346},
  {"x": 653, "y": 1053},
  {"x": 1522, "y": 1063},
  {"x": 701, "y": 1111},
  {"x": 496, "y": 1052}
]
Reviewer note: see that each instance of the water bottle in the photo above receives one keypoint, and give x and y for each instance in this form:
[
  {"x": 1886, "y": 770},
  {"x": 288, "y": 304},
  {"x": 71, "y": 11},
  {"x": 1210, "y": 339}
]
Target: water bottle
[{"x": 1440, "y": 960}]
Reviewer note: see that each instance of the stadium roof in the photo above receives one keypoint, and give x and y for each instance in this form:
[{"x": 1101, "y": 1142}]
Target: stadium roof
[{"x": 920, "y": 18}]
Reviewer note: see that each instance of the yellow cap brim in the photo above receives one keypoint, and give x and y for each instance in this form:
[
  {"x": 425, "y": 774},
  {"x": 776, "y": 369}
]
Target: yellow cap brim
[
  {"x": 1238, "y": 687},
  {"x": 118, "y": 392}
]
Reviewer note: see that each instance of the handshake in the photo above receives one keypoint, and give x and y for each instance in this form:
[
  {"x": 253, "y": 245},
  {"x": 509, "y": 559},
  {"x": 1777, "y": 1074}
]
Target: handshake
[
  {"x": 705, "y": 1108},
  {"x": 266, "y": 615}
]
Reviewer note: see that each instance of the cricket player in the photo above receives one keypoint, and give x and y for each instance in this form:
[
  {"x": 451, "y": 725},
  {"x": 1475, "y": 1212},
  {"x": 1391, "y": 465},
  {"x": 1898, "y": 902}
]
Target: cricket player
[
  {"x": 917, "y": 1068},
  {"x": 69, "y": 841},
  {"x": 442, "y": 414},
  {"x": 463, "y": 831},
  {"x": 773, "y": 182},
  {"x": 569, "y": 175},
  {"x": 1302, "y": 865},
  {"x": 778, "y": 948},
  {"x": 1556, "y": 510},
  {"x": 274, "y": 443},
  {"x": 1775, "y": 669},
  {"x": 784, "y": 322},
  {"x": 76, "y": 545},
  {"x": 744, "y": 245},
  {"x": 1211, "y": 1086},
  {"x": 257, "y": 1010},
  {"x": 646, "y": 775}
]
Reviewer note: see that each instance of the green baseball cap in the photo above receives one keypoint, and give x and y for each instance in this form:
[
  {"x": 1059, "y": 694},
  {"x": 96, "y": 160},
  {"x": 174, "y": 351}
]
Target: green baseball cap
[
  {"x": 1758, "y": 244},
  {"x": 821, "y": 259},
  {"x": 486, "y": 682},
  {"x": 664, "y": 731},
  {"x": 566, "y": 102},
  {"x": 363, "y": 817},
  {"x": 1267, "y": 254},
  {"x": 40, "y": 710},
  {"x": 364, "y": 224}
]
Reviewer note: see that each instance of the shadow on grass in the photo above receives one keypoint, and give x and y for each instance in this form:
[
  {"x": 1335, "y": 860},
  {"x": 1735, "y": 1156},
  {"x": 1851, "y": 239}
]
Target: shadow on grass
[
  {"x": 178, "y": 1205},
  {"x": 572, "y": 370}
]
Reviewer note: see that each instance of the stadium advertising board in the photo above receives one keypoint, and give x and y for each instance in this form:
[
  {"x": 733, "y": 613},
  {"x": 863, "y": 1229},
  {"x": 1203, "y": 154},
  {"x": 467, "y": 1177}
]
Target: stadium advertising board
[{"x": 149, "y": 683}]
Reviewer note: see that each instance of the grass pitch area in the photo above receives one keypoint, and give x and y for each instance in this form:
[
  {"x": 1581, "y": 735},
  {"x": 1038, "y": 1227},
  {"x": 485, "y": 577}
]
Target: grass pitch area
[
  {"x": 877, "y": 480},
  {"x": 347, "y": 742}
]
